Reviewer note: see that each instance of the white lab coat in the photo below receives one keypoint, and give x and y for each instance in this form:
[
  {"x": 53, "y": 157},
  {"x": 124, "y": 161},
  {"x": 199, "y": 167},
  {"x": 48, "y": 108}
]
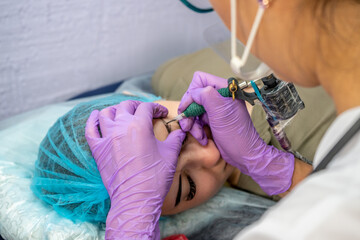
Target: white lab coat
[{"x": 325, "y": 205}]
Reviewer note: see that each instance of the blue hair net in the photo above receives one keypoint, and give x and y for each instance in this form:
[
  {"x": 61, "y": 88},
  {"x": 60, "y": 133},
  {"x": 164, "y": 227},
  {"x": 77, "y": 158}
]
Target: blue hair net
[{"x": 66, "y": 175}]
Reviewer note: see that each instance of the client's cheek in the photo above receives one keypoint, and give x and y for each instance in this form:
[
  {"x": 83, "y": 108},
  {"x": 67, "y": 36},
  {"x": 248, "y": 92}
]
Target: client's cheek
[{"x": 169, "y": 201}]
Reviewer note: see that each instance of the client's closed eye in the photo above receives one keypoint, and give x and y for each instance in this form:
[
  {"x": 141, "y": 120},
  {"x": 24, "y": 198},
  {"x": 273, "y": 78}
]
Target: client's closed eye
[{"x": 192, "y": 189}]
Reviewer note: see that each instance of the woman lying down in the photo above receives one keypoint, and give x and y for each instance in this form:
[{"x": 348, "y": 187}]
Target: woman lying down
[{"x": 66, "y": 175}]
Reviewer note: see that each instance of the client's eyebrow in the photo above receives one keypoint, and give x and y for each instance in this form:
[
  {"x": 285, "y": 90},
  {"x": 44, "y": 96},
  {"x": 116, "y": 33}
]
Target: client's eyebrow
[
  {"x": 168, "y": 127},
  {"x": 179, "y": 192}
]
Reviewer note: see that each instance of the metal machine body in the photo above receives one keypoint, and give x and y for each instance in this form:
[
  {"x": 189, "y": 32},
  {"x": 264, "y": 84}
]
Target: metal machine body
[{"x": 279, "y": 99}]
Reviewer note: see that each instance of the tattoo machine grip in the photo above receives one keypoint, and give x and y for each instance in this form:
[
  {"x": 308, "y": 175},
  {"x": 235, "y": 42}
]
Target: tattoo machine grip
[{"x": 195, "y": 109}]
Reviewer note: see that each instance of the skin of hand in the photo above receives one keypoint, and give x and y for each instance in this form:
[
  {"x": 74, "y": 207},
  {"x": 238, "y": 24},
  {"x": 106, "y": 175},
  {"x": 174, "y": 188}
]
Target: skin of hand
[{"x": 136, "y": 168}]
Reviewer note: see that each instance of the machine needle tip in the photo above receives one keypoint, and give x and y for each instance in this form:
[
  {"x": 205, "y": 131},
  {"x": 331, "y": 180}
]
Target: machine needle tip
[
  {"x": 177, "y": 118},
  {"x": 173, "y": 120}
]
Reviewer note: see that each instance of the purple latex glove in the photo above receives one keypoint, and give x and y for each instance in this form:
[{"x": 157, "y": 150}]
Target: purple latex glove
[
  {"x": 137, "y": 169},
  {"x": 235, "y": 135}
]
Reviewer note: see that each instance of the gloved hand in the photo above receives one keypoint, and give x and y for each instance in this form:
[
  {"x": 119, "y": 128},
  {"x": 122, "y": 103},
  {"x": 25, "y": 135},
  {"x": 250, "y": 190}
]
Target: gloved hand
[
  {"x": 235, "y": 135},
  {"x": 137, "y": 169}
]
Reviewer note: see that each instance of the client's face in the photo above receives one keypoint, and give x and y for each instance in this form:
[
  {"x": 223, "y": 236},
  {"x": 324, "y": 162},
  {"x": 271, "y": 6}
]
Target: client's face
[{"x": 200, "y": 171}]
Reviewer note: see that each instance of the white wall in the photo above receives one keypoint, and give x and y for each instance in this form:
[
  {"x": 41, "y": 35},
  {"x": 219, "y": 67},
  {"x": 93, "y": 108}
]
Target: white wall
[{"x": 51, "y": 50}]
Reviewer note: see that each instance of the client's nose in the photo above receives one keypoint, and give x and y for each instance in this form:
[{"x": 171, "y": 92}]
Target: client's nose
[{"x": 209, "y": 155}]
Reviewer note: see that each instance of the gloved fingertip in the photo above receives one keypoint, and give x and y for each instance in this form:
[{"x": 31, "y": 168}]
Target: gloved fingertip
[
  {"x": 107, "y": 113},
  {"x": 199, "y": 134},
  {"x": 91, "y": 127},
  {"x": 186, "y": 100},
  {"x": 176, "y": 138},
  {"x": 125, "y": 108},
  {"x": 186, "y": 124},
  {"x": 160, "y": 111},
  {"x": 150, "y": 110},
  {"x": 203, "y": 141},
  {"x": 178, "y": 133},
  {"x": 181, "y": 107},
  {"x": 204, "y": 119}
]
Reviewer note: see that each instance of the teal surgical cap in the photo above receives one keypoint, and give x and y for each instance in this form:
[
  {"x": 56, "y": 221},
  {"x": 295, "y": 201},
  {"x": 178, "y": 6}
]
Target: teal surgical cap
[{"x": 66, "y": 175}]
